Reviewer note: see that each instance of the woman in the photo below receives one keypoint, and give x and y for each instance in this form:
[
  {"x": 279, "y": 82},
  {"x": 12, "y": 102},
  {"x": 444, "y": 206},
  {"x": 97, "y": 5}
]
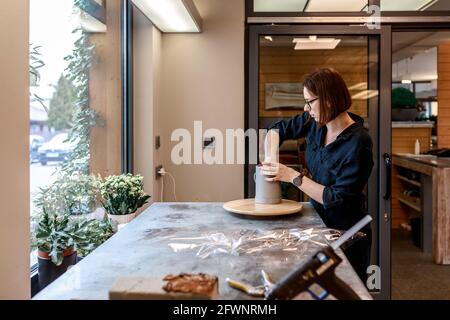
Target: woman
[{"x": 338, "y": 157}]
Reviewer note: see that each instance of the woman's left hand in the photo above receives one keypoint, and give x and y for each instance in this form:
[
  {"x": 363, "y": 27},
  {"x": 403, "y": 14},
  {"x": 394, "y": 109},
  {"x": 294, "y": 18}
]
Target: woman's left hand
[{"x": 279, "y": 171}]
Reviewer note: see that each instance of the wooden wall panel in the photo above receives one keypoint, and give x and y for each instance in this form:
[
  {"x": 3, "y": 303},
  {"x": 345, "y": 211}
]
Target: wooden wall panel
[
  {"x": 399, "y": 213},
  {"x": 283, "y": 64},
  {"x": 105, "y": 96},
  {"x": 443, "y": 86},
  {"x": 404, "y": 139}
]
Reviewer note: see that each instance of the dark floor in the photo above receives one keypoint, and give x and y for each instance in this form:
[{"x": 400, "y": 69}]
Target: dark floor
[{"x": 414, "y": 274}]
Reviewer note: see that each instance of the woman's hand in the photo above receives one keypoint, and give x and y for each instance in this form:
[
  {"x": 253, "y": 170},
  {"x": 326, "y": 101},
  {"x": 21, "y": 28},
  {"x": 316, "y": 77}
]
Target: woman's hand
[{"x": 279, "y": 171}]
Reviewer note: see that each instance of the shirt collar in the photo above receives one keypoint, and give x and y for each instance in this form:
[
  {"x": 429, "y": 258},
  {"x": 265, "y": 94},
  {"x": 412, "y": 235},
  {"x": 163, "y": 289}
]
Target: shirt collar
[{"x": 359, "y": 123}]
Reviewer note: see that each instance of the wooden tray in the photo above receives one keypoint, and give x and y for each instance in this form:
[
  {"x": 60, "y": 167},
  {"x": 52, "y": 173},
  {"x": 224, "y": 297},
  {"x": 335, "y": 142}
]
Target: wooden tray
[{"x": 249, "y": 207}]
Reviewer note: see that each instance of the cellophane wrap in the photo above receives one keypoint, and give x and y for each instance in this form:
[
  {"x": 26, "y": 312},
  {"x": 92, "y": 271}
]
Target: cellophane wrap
[{"x": 294, "y": 242}]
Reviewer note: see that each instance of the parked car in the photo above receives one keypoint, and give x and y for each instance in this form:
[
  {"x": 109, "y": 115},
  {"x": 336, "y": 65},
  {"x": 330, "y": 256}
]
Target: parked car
[
  {"x": 36, "y": 142},
  {"x": 57, "y": 149}
]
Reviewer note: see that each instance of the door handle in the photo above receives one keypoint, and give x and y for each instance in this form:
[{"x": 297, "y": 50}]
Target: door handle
[{"x": 388, "y": 169}]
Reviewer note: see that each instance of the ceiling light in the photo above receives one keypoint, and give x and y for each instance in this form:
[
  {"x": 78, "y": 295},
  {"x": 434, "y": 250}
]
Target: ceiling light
[
  {"x": 406, "y": 5},
  {"x": 335, "y": 6},
  {"x": 317, "y": 44},
  {"x": 359, "y": 86},
  {"x": 171, "y": 15},
  {"x": 268, "y": 38},
  {"x": 365, "y": 95},
  {"x": 313, "y": 38},
  {"x": 407, "y": 77},
  {"x": 278, "y": 5}
]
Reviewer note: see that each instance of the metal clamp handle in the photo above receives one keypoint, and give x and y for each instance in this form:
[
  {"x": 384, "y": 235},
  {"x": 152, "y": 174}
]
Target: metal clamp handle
[{"x": 388, "y": 168}]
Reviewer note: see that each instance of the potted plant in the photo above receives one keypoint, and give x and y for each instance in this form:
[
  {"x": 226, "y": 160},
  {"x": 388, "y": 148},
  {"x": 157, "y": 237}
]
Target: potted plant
[
  {"x": 96, "y": 233},
  {"x": 122, "y": 196},
  {"x": 75, "y": 192},
  {"x": 404, "y": 105},
  {"x": 57, "y": 240}
]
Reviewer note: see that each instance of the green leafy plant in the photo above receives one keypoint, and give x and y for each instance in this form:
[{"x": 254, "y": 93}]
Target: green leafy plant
[
  {"x": 71, "y": 192},
  {"x": 403, "y": 98},
  {"x": 55, "y": 234},
  {"x": 61, "y": 111},
  {"x": 35, "y": 64},
  {"x": 123, "y": 194},
  {"x": 85, "y": 118},
  {"x": 96, "y": 233}
]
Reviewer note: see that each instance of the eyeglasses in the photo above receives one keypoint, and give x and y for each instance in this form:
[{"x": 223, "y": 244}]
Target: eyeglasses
[{"x": 308, "y": 103}]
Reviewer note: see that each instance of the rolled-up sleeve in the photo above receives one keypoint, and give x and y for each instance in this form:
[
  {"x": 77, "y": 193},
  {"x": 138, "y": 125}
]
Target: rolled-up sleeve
[
  {"x": 351, "y": 179},
  {"x": 294, "y": 128}
]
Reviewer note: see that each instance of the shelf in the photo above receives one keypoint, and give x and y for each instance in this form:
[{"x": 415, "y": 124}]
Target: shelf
[
  {"x": 414, "y": 183},
  {"x": 413, "y": 205}
]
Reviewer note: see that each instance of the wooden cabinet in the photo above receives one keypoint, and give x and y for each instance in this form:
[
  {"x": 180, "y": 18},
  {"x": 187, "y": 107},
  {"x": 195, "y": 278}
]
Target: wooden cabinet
[{"x": 433, "y": 205}]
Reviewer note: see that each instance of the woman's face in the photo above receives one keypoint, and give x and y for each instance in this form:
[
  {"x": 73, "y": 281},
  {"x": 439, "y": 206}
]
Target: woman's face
[{"x": 312, "y": 104}]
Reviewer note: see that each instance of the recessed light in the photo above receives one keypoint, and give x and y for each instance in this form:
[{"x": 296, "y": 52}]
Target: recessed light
[
  {"x": 316, "y": 44},
  {"x": 171, "y": 15}
]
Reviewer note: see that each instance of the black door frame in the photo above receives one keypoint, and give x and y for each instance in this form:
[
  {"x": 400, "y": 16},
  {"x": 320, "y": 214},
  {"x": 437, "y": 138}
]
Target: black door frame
[{"x": 380, "y": 126}]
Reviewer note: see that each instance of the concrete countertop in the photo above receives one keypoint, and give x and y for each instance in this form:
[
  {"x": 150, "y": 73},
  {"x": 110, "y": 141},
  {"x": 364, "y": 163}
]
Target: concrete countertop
[
  {"x": 412, "y": 124},
  {"x": 425, "y": 159},
  {"x": 141, "y": 249}
]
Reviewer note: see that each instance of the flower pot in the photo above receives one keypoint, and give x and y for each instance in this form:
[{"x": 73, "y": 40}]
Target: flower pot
[
  {"x": 121, "y": 219},
  {"x": 98, "y": 214},
  {"x": 403, "y": 114},
  {"x": 48, "y": 271}
]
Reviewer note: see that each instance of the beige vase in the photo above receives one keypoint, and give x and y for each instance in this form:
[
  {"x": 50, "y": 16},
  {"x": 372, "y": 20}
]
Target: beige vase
[{"x": 122, "y": 219}]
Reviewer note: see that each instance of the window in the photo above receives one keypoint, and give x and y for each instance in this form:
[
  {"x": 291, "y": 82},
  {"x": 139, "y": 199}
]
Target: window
[
  {"x": 414, "y": 5},
  {"x": 309, "y": 5},
  {"x": 75, "y": 103}
]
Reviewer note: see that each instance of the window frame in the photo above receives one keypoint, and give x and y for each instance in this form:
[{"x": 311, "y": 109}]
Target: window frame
[{"x": 98, "y": 12}]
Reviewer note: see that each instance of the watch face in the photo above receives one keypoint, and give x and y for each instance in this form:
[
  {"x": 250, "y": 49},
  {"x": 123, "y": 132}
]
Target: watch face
[{"x": 296, "y": 181}]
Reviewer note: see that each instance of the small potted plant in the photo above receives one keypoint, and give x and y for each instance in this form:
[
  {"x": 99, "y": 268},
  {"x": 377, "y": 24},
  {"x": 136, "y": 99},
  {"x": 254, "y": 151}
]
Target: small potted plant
[
  {"x": 76, "y": 193},
  {"x": 404, "y": 105},
  {"x": 122, "y": 196},
  {"x": 96, "y": 233},
  {"x": 57, "y": 239}
]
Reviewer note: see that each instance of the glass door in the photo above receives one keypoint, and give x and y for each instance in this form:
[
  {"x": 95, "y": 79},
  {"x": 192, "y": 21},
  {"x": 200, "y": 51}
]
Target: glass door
[{"x": 280, "y": 57}]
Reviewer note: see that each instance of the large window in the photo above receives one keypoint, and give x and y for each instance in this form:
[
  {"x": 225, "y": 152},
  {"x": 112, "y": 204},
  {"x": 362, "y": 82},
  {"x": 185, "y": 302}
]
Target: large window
[{"x": 75, "y": 101}]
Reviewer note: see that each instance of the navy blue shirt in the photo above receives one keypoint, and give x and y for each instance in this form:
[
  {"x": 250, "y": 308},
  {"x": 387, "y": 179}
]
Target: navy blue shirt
[{"x": 343, "y": 166}]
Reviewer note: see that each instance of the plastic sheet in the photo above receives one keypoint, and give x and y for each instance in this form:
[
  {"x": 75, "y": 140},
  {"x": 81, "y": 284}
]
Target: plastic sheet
[{"x": 254, "y": 242}]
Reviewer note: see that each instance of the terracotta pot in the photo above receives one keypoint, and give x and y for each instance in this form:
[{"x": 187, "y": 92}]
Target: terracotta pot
[
  {"x": 48, "y": 271},
  {"x": 45, "y": 255}
]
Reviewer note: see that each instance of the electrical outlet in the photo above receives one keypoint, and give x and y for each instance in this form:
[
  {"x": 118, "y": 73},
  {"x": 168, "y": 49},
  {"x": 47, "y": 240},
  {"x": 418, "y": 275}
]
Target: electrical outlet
[
  {"x": 209, "y": 142},
  {"x": 157, "y": 174},
  {"x": 157, "y": 142}
]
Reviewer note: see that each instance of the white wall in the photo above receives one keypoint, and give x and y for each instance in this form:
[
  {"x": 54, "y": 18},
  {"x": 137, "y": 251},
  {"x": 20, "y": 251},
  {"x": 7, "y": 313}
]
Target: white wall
[
  {"x": 202, "y": 78},
  {"x": 420, "y": 67},
  {"x": 14, "y": 166}
]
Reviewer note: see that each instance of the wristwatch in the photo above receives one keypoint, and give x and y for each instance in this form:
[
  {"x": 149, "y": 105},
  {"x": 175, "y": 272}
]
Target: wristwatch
[{"x": 297, "y": 181}]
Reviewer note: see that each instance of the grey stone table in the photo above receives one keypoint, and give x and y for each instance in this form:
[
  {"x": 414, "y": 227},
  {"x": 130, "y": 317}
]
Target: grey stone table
[{"x": 142, "y": 248}]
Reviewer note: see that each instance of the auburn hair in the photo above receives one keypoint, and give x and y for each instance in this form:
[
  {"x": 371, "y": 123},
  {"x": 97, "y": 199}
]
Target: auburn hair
[{"x": 329, "y": 86}]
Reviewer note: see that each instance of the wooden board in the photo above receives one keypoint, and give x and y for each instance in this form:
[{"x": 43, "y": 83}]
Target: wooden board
[{"x": 249, "y": 207}]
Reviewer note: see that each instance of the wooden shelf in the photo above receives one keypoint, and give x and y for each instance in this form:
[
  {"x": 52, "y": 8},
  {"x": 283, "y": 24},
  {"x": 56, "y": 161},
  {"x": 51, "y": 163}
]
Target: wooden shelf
[
  {"x": 414, "y": 183},
  {"x": 406, "y": 201}
]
